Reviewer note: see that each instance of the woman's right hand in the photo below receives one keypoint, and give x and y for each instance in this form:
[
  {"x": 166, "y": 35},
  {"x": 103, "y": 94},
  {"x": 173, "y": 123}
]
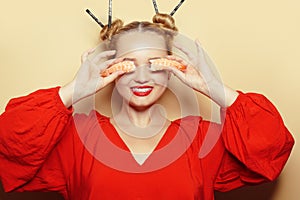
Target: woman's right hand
[{"x": 88, "y": 80}]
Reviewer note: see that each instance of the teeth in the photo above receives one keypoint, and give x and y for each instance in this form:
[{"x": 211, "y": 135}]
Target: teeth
[{"x": 141, "y": 89}]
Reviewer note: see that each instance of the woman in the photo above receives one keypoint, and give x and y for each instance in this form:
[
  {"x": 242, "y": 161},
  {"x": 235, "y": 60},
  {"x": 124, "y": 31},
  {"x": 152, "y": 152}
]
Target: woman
[{"x": 138, "y": 153}]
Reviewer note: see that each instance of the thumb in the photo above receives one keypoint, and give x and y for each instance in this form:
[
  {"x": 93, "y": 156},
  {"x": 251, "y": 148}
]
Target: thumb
[{"x": 110, "y": 78}]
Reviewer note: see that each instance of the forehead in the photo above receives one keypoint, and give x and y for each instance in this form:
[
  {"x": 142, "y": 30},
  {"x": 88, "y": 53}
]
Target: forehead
[{"x": 133, "y": 41}]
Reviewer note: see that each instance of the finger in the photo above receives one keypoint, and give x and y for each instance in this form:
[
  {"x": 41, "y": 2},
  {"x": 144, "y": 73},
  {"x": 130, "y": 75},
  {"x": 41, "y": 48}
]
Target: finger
[
  {"x": 177, "y": 59},
  {"x": 85, "y": 55},
  {"x": 187, "y": 52},
  {"x": 111, "y": 77},
  {"x": 106, "y": 64},
  {"x": 103, "y": 54},
  {"x": 200, "y": 52},
  {"x": 179, "y": 74}
]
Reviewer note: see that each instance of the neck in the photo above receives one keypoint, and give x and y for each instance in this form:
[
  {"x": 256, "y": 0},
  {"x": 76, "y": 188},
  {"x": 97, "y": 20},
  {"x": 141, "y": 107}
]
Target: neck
[
  {"x": 140, "y": 116},
  {"x": 140, "y": 123}
]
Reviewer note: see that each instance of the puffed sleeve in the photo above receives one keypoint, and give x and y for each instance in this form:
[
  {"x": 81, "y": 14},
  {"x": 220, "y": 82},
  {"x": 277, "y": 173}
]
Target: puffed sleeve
[
  {"x": 30, "y": 128},
  {"x": 257, "y": 143}
]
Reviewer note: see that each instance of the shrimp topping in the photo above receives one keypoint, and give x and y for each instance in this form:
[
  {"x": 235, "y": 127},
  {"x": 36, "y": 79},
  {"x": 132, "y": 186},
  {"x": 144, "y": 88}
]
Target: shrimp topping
[
  {"x": 162, "y": 63},
  {"x": 125, "y": 66}
]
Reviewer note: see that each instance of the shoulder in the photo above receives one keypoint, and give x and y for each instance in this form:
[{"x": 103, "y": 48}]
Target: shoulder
[
  {"x": 188, "y": 121},
  {"x": 206, "y": 134},
  {"x": 90, "y": 120},
  {"x": 197, "y": 122}
]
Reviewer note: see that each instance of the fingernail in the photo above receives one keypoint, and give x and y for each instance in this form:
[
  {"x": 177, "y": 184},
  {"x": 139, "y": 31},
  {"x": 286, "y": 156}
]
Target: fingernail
[
  {"x": 198, "y": 42},
  {"x": 120, "y": 73}
]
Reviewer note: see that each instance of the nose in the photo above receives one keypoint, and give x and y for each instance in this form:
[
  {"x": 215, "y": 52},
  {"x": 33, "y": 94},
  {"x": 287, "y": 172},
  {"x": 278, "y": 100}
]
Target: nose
[{"x": 142, "y": 74}]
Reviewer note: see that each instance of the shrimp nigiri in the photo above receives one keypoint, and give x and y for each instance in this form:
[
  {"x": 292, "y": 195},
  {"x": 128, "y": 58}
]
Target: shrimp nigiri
[
  {"x": 126, "y": 66},
  {"x": 160, "y": 63}
]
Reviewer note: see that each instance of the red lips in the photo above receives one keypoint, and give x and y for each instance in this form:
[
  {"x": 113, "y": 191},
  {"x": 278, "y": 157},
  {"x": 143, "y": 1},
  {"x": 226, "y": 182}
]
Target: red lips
[{"x": 141, "y": 91}]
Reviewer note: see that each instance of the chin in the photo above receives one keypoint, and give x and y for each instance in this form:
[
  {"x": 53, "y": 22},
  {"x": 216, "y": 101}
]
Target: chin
[{"x": 141, "y": 105}]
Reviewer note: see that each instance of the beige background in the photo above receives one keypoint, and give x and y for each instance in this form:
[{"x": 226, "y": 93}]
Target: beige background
[{"x": 254, "y": 43}]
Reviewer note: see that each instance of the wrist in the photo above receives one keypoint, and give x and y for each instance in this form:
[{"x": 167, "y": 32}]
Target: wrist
[
  {"x": 223, "y": 95},
  {"x": 66, "y": 94}
]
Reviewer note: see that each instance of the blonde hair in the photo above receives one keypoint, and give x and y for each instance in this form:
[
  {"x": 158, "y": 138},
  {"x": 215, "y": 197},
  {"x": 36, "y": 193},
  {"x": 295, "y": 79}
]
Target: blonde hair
[{"x": 162, "y": 24}]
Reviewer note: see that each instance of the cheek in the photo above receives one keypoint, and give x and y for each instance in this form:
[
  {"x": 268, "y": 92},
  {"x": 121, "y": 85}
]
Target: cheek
[
  {"x": 123, "y": 80},
  {"x": 122, "y": 83},
  {"x": 162, "y": 78}
]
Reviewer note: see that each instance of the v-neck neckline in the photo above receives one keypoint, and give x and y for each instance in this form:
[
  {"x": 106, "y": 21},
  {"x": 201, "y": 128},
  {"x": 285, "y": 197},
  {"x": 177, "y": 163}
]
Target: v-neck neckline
[{"x": 116, "y": 139}]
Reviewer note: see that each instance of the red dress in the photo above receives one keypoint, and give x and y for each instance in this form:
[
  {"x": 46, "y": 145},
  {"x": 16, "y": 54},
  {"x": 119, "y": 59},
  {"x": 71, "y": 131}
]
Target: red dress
[{"x": 44, "y": 148}]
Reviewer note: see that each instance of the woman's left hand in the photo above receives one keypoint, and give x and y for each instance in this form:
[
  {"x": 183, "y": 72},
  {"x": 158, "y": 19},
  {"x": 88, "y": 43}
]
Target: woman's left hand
[{"x": 199, "y": 76}]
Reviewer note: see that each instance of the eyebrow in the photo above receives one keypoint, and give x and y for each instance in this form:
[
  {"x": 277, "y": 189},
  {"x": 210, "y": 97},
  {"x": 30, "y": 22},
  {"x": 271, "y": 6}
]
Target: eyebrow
[
  {"x": 130, "y": 59},
  {"x": 134, "y": 59},
  {"x": 153, "y": 58}
]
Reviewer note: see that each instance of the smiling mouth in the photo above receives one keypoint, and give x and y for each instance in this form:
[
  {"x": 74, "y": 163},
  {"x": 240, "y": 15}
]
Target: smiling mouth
[{"x": 141, "y": 91}]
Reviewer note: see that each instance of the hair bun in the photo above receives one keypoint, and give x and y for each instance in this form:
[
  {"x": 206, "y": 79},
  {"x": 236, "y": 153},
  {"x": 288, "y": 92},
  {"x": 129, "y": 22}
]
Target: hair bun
[
  {"x": 165, "y": 21},
  {"x": 107, "y": 33}
]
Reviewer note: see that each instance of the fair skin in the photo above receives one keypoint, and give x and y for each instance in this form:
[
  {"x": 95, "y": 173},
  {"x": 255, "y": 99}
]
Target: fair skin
[
  {"x": 140, "y": 123},
  {"x": 139, "y": 112}
]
